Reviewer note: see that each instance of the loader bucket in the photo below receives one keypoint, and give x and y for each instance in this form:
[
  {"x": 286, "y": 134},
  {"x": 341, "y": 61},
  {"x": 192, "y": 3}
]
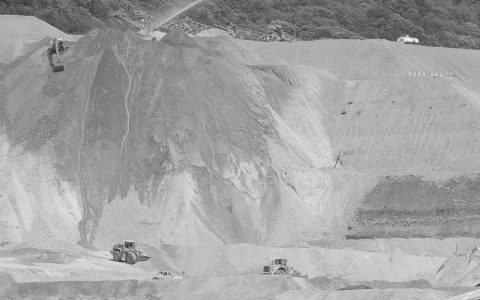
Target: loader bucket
[{"x": 143, "y": 258}]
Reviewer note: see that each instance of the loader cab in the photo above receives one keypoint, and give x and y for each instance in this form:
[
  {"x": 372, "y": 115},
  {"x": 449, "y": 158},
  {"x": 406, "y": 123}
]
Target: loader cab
[
  {"x": 130, "y": 244},
  {"x": 280, "y": 261}
]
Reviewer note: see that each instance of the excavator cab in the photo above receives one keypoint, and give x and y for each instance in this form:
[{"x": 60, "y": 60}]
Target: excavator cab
[{"x": 61, "y": 46}]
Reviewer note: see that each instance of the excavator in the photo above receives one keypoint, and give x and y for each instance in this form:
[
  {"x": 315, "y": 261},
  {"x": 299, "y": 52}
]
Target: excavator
[
  {"x": 56, "y": 48},
  {"x": 279, "y": 33}
]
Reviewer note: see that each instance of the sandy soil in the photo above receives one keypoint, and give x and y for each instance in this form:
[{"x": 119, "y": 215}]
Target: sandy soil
[{"x": 368, "y": 294}]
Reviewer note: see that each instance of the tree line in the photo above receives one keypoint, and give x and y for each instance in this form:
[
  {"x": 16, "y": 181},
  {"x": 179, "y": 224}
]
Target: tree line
[
  {"x": 450, "y": 23},
  {"x": 79, "y": 16}
]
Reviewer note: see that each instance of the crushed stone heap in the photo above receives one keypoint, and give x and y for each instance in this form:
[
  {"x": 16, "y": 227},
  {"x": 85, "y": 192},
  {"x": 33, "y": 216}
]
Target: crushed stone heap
[{"x": 208, "y": 141}]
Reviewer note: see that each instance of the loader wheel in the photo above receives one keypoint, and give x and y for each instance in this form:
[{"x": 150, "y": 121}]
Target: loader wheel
[
  {"x": 116, "y": 256},
  {"x": 281, "y": 272},
  {"x": 131, "y": 258}
]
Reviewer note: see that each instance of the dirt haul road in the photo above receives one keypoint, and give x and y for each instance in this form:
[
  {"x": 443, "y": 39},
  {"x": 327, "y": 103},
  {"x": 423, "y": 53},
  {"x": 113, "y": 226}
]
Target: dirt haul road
[{"x": 203, "y": 143}]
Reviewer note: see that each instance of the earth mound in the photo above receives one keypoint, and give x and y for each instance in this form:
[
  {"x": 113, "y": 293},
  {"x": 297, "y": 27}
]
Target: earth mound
[
  {"x": 178, "y": 137},
  {"x": 177, "y": 37}
]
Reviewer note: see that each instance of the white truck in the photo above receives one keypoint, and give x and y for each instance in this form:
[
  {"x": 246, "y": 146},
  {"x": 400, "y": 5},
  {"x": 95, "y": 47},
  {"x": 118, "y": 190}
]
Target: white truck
[
  {"x": 166, "y": 275},
  {"x": 408, "y": 40}
]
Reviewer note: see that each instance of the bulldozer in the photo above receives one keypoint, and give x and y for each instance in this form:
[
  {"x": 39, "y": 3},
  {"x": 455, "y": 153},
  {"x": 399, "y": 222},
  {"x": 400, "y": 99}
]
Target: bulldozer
[
  {"x": 127, "y": 252},
  {"x": 279, "y": 267}
]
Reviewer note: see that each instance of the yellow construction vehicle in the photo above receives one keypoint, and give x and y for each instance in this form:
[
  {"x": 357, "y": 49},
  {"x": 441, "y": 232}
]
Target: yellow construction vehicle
[
  {"x": 127, "y": 252},
  {"x": 279, "y": 267}
]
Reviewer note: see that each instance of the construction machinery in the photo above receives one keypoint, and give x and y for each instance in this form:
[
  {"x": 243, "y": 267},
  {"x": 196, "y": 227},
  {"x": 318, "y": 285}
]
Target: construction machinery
[
  {"x": 127, "y": 252},
  {"x": 56, "y": 48},
  {"x": 278, "y": 33},
  {"x": 147, "y": 24},
  {"x": 279, "y": 267}
]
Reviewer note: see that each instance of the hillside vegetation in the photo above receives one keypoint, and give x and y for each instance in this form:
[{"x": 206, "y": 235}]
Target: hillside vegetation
[
  {"x": 80, "y": 16},
  {"x": 450, "y": 23},
  {"x": 71, "y": 16}
]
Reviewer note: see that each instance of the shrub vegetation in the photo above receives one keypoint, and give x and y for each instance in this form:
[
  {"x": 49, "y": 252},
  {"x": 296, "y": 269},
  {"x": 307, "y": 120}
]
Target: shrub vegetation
[{"x": 450, "y": 23}]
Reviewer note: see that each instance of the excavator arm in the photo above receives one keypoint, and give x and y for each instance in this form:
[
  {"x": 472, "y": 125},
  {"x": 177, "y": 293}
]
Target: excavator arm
[{"x": 57, "y": 51}]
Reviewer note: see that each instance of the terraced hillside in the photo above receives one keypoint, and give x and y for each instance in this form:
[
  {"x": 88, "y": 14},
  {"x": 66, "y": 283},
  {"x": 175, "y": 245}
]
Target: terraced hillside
[{"x": 416, "y": 135}]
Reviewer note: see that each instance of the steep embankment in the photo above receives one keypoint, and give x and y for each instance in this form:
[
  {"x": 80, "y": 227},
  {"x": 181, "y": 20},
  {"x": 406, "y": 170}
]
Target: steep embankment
[
  {"x": 408, "y": 116},
  {"x": 190, "y": 142}
]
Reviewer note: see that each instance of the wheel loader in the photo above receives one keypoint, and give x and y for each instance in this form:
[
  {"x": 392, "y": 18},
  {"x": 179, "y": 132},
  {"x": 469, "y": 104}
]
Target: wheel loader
[
  {"x": 128, "y": 253},
  {"x": 279, "y": 267}
]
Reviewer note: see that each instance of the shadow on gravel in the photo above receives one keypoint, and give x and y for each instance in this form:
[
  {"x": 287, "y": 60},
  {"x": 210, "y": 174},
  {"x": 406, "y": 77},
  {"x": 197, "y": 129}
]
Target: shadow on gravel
[
  {"x": 355, "y": 287},
  {"x": 131, "y": 289}
]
